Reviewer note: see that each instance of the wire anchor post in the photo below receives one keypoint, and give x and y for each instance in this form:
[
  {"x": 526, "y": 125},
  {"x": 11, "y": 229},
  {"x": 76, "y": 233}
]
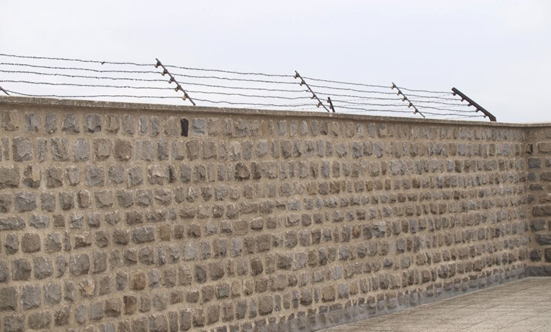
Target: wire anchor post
[
  {"x": 473, "y": 103},
  {"x": 2, "y": 89},
  {"x": 314, "y": 96},
  {"x": 331, "y": 104},
  {"x": 173, "y": 80},
  {"x": 405, "y": 98}
]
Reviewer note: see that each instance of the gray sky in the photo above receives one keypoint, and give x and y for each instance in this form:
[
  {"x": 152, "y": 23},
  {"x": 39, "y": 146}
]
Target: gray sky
[{"x": 497, "y": 52}]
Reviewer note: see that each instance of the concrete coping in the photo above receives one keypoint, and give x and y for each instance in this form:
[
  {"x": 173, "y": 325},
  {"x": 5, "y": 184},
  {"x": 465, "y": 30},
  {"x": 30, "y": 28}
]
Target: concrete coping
[{"x": 134, "y": 107}]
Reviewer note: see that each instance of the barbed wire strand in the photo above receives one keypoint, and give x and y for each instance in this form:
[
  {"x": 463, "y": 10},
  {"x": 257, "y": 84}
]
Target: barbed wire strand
[
  {"x": 84, "y": 76},
  {"x": 232, "y": 79},
  {"x": 229, "y": 71},
  {"x": 80, "y": 68},
  {"x": 76, "y": 60},
  {"x": 91, "y": 96},
  {"x": 89, "y": 85},
  {"x": 427, "y": 91},
  {"x": 350, "y": 83}
]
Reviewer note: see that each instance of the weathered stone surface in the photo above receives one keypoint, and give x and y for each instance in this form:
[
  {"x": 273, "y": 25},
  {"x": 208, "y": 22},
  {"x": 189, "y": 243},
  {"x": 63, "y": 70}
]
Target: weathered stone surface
[
  {"x": 31, "y": 297},
  {"x": 70, "y": 123},
  {"x": 81, "y": 150},
  {"x": 42, "y": 267},
  {"x": 22, "y": 149},
  {"x": 79, "y": 264},
  {"x": 21, "y": 269},
  {"x": 122, "y": 150},
  {"x": 8, "y": 299},
  {"x": 92, "y": 123},
  {"x": 11, "y": 223},
  {"x": 9, "y": 177}
]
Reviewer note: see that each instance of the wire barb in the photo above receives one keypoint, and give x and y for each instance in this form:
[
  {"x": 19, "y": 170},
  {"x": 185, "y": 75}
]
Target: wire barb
[
  {"x": 173, "y": 80},
  {"x": 405, "y": 98},
  {"x": 314, "y": 96}
]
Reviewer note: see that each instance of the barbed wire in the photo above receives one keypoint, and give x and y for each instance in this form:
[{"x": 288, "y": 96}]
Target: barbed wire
[
  {"x": 89, "y": 85},
  {"x": 75, "y": 60},
  {"x": 229, "y": 71},
  {"x": 80, "y": 68},
  {"x": 84, "y": 76},
  {"x": 232, "y": 79},
  {"x": 92, "y": 96},
  {"x": 351, "y": 97}
]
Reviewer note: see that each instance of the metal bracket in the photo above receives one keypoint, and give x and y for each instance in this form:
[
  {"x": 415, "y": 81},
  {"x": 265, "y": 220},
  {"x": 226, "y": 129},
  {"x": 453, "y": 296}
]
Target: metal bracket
[
  {"x": 173, "y": 80},
  {"x": 473, "y": 103},
  {"x": 405, "y": 98},
  {"x": 331, "y": 104},
  {"x": 314, "y": 96},
  {"x": 6, "y": 92}
]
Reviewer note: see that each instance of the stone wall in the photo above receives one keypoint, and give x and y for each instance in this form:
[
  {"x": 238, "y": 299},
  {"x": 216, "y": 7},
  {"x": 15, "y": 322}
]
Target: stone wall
[
  {"x": 118, "y": 217},
  {"x": 538, "y": 153}
]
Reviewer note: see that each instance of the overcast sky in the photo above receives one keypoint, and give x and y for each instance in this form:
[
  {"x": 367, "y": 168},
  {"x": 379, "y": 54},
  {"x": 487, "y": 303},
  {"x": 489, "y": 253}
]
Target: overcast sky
[{"x": 497, "y": 52}]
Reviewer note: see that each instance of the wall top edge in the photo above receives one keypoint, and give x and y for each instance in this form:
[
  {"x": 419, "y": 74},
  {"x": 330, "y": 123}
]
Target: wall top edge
[{"x": 7, "y": 101}]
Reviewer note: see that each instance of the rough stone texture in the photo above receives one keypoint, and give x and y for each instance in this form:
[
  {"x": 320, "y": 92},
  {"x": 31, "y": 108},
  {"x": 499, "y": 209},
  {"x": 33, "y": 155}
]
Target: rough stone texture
[{"x": 257, "y": 221}]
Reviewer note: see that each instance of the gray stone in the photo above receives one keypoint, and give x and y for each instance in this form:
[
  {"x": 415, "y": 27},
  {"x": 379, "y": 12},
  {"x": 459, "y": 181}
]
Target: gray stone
[
  {"x": 104, "y": 199},
  {"x": 128, "y": 125},
  {"x": 116, "y": 174},
  {"x": 8, "y": 299},
  {"x": 125, "y": 199},
  {"x": 41, "y": 149},
  {"x": 66, "y": 200},
  {"x": 61, "y": 316},
  {"x": 47, "y": 202},
  {"x": 135, "y": 176},
  {"x": 5, "y": 203},
  {"x": 21, "y": 269},
  {"x": 14, "y": 323},
  {"x": 52, "y": 242},
  {"x": 79, "y": 264},
  {"x": 60, "y": 149},
  {"x": 40, "y": 320},
  {"x": 50, "y": 125},
  {"x": 32, "y": 122},
  {"x": 81, "y": 150},
  {"x": 73, "y": 175},
  {"x": 198, "y": 127},
  {"x": 92, "y": 123},
  {"x": 123, "y": 150},
  {"x": 84, "y": 199},
  {"x": 25, "y": 202},
  {"x": 11, "y": 244},
  {"x": 39, "y": 221},
  {"x": 30, "y": 243},
  {"x": 143, "y": 234},
  {"x": 145, "y": 150},
  {"x": 112, "y": 125},
  {"x": 9, "y": 177},
  {"x": 70, "y": 124},
  {"x": 52, "y": 293},
  {"x": 43, "y": 267},
  {"x": 102, "y": 149},
  {"x": 54, "y": 177},
  {"x": 30, "y": 297},
  {"x": 22, "y": 149},
  {"x": 10, "y": 120},
  {"x": 80, "y": 314},
  {"x": 95, "y": 176}
]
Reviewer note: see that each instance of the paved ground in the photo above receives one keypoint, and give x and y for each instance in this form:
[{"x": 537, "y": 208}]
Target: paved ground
[{"x": 518, "y": 306}]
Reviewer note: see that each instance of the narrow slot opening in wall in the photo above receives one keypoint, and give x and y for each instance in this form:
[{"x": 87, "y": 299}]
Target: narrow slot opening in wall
[{"x": 185, "y": 125}]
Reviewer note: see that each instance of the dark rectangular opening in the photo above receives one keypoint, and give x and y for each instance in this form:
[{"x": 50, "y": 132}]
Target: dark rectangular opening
[{"x": 185, "y": 125}]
